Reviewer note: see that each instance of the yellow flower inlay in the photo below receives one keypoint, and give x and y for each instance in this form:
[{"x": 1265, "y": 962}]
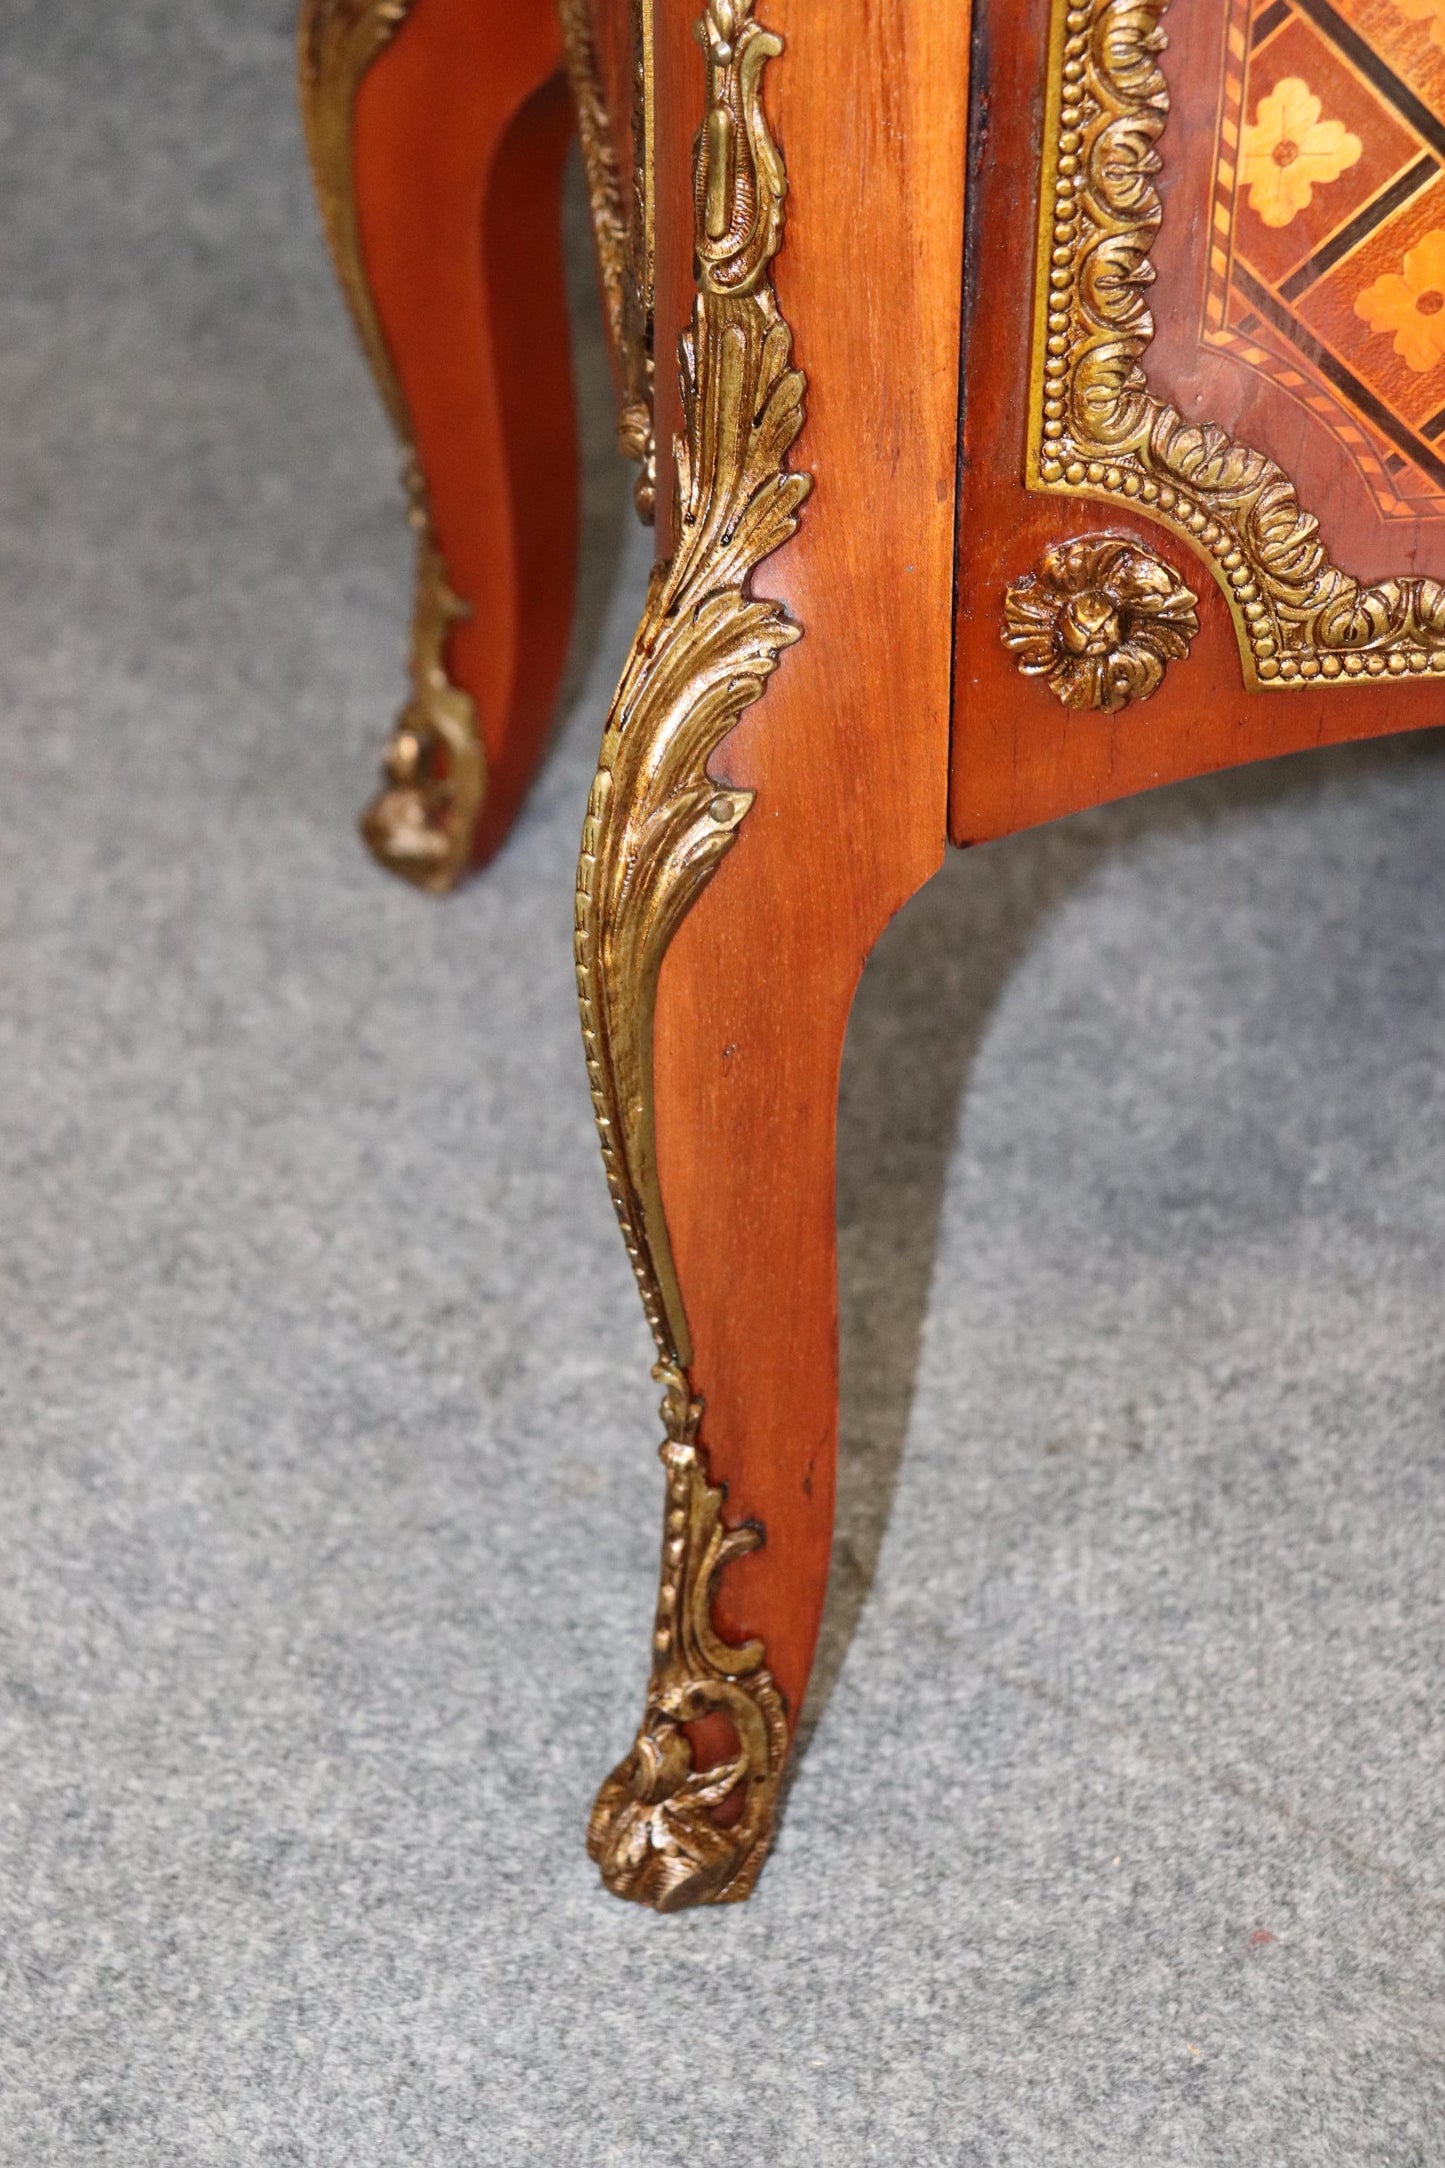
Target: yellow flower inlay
[
  {"x": 1411, "y": 303},
  {"x": 1425, "y": 11},
  {"x": 1289, "y": 151}
]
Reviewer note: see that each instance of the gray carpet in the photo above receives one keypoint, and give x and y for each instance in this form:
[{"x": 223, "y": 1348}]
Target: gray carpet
[{"x": 328, "y": 1543}]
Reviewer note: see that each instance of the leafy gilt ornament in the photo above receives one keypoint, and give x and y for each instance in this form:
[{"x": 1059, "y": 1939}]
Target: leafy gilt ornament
[
  {"x": 658, "y": 826},
  {"x": 654, "y": 1830}
]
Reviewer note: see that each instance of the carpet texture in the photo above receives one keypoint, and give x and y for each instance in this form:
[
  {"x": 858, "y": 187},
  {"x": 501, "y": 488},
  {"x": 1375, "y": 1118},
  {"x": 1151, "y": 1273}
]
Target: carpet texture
[{"x": 328, "y": 1544}]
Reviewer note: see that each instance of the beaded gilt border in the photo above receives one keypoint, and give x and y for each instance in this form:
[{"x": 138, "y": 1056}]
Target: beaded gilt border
[{"x": 1097, "y": 431}]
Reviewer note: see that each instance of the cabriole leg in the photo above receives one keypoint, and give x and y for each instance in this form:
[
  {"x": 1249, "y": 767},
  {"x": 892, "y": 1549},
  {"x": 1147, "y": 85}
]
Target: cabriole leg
[
  {"x": 437, "y": 131},
  {"x": 687, "y": 1818},
  {"x": 772, "y": 787}
]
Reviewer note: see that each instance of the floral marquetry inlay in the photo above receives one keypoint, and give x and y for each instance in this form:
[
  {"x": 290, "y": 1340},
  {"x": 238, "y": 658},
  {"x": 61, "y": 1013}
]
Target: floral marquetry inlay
[
  {"x": 1409, "y": 304},
  {"x": 1425, "y": 11},
  {"x": 1290, "y": 150},
  {"x": 1326, "y": 275}
]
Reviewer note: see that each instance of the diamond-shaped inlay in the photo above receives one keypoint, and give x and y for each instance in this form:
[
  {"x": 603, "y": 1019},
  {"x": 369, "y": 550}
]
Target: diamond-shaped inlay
[{"x": 1327, "y": 272}]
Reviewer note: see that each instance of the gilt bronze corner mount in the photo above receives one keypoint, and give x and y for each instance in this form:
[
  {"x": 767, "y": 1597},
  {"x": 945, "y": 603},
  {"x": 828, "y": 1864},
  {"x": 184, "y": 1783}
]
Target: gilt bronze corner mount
[{"x": 657, "y": 828}]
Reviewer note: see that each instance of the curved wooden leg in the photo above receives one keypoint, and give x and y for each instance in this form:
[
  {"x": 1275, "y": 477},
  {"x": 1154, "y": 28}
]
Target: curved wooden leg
[
  {"x": 437, "y": 131},
  {"x": 751, "y": 1017},
  {"x": 771, "y": 789}
]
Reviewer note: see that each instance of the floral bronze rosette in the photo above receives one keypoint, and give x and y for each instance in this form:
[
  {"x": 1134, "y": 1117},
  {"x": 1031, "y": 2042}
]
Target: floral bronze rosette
[{"x": 1101, "y": 619}]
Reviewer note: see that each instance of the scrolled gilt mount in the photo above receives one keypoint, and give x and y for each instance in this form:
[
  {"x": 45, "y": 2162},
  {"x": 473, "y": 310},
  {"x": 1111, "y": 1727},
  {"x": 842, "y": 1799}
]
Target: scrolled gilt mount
[
  {"x": 658, "y": 826},
  {"x": 1098, "y": 431},
  {"x": 654, "y": 1831}
]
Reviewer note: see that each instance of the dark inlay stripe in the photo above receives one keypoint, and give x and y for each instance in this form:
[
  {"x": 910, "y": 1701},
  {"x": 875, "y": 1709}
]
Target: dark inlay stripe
[
  {"x": 1343, "y": 379},
  {"x": 1364, "y": 222},
  {"x": 1433, "y": 427},
  {"x": 1426, "y": 124},
  {"x": 1265, "y": 25}
]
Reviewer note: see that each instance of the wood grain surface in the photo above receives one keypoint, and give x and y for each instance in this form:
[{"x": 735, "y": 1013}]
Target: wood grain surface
[{"x": 847, "y": 750}]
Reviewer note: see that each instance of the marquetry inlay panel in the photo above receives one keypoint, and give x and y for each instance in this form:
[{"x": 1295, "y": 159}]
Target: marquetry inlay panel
[
  {"x": 1103, "y": 424},
  {"x": 1327, "y": 265}
]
